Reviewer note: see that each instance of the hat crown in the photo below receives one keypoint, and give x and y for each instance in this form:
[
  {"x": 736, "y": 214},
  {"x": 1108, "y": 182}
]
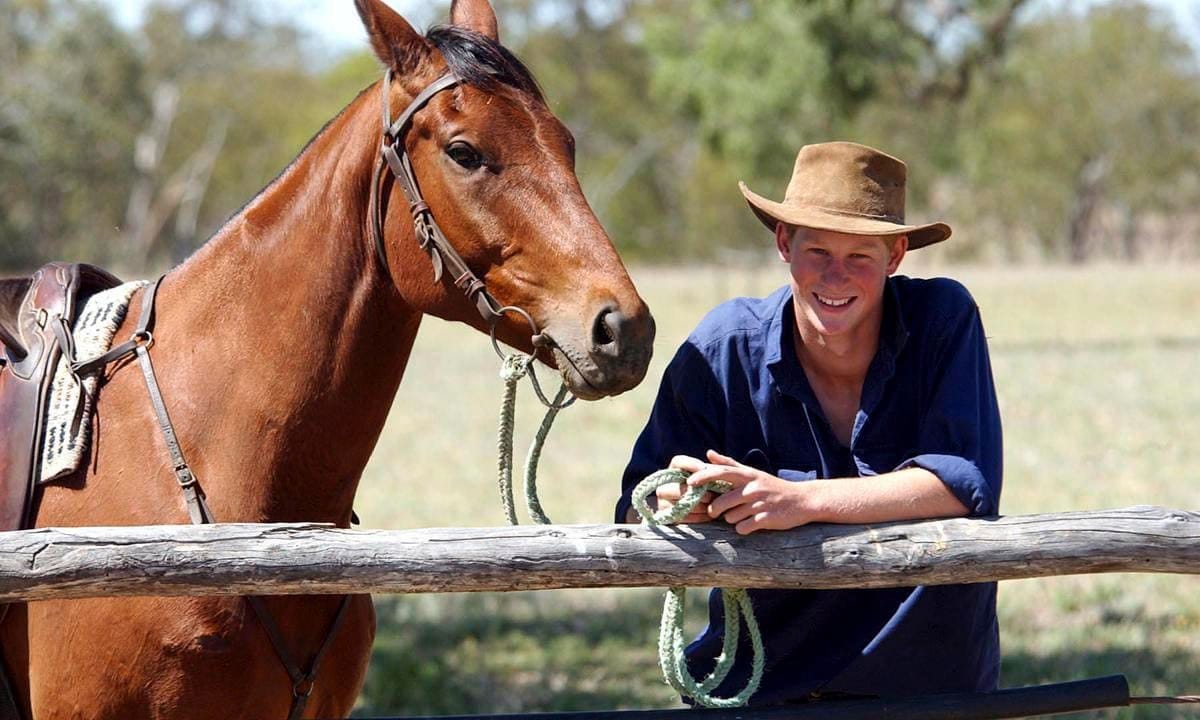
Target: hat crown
[{"x": 848, "y": 178}]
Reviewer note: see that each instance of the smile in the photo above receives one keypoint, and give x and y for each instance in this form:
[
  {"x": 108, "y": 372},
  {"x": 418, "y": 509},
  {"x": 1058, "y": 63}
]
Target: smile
[{"x": 831, "y": 302}]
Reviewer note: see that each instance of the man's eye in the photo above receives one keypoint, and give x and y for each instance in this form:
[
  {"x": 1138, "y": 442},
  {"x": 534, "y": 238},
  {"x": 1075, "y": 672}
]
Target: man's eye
[{"x": 465, "y": 155}]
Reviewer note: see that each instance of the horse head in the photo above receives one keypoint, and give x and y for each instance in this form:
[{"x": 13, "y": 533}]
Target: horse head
[{"x": 496, "y": 173}]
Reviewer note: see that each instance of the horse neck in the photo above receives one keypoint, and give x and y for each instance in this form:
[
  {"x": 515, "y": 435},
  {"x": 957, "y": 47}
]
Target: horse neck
[{"x": 289, "y": 338}]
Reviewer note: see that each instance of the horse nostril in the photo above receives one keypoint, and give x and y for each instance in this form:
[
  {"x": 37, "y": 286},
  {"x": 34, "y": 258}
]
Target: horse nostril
[{"x": 606, "y": 330}]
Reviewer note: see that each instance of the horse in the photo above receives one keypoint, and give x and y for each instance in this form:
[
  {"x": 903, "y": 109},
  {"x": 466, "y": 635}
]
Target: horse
[{"x": 279, "y": 347}]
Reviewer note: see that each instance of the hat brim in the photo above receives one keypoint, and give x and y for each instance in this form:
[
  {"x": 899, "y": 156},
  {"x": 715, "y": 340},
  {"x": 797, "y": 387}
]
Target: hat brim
[{"x": 770, "y": 213}]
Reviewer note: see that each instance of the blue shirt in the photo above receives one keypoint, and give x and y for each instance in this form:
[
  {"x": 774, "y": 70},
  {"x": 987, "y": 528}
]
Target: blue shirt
[{"x": 928, "y": 401}]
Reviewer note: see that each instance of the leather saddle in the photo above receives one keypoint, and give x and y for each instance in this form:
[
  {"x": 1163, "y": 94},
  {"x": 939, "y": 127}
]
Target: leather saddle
[{"x": 30, "y": 308}]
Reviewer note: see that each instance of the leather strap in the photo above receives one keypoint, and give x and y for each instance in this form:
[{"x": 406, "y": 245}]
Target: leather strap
[
  {"x": 429, "y": 235},
  {"x": 198, "y": 511},
  {"x": 9, "y": 710},
  {"x": 302, "y": 682},
  {"x": 192, "y": 494}
]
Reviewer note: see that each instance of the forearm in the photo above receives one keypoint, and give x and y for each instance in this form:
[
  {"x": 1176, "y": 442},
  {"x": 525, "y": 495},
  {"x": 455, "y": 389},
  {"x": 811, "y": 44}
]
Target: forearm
[{"x": 910, "y": 494}]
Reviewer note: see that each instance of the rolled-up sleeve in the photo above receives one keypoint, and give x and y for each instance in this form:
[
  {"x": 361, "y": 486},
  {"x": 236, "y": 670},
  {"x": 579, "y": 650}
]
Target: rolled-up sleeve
[
  {"x": 959, "y": 429},
  {"x": 687, "y": 413}
]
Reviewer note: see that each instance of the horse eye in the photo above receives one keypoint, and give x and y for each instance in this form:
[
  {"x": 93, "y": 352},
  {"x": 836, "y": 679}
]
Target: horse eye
[{"x": 465, "y": 155}]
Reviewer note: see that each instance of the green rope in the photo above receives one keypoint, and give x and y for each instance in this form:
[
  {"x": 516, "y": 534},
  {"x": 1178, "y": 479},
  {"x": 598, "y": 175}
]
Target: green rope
[
  {"x": 671, "y": 641},
  {"x": 738, "y": 608},
  {"x": 514, "y": 368}
]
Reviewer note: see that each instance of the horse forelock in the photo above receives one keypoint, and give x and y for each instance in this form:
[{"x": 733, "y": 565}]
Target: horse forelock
[{"x": 479, "y": 61}]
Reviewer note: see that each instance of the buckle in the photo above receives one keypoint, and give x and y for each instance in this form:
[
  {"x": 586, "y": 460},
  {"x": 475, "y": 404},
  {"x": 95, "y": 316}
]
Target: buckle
[{"x": 303, "y": 687}]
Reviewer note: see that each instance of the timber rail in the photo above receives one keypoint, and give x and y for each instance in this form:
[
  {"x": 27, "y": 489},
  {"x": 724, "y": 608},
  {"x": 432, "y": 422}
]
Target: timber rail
[{"x": 242, "y": 559}]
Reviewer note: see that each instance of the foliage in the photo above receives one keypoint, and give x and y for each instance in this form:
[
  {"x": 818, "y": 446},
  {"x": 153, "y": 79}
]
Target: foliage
[
  {"x": 1037, "y": 130},
  {"x": 1115, "y": 120}
]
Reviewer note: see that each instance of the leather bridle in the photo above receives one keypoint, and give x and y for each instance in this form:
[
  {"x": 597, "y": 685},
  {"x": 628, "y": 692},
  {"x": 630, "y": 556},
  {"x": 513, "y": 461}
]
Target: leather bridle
[{"x": 394, "y": 156}]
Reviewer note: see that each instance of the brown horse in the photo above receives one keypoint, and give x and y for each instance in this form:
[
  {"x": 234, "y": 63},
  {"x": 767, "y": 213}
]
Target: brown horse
[{"x": 279, "y": 347}]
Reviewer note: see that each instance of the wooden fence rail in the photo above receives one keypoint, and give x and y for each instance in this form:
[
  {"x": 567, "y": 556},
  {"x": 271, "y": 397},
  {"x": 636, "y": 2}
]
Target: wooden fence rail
[{"x": 238, "y": 559}]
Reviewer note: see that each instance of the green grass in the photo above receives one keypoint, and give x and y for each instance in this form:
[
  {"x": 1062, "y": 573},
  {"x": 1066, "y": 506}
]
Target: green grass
[{"x": 1098, "y": 373}]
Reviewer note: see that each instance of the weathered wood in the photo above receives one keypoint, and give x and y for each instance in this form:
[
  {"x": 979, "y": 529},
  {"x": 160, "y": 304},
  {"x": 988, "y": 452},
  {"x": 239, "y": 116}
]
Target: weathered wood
[{"x": 303, "y": 559}]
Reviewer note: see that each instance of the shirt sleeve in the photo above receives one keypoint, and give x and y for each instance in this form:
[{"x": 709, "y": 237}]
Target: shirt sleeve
[
  {"x": 685, "y": 420},
  {"x": 959, "y": 438}
]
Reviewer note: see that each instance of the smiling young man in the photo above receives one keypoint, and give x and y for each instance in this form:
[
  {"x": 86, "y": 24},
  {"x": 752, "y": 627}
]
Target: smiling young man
[{"x": 851, "y": 395}]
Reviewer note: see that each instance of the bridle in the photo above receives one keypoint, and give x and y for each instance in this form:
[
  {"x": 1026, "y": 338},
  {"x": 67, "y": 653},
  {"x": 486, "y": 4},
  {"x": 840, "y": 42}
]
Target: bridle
[{"x": 394, "y": 156}]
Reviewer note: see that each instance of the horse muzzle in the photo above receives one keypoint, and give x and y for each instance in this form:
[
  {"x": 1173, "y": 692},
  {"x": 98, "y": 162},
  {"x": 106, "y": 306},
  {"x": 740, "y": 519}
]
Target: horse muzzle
[{"x": 607, "y": 358}]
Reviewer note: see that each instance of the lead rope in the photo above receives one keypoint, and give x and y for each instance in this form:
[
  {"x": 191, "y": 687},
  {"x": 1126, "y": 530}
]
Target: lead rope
[
  {"x": 671, "y": 643},
  {"x": 736, "y": 602},
  {"x": 512, "y": 369}
]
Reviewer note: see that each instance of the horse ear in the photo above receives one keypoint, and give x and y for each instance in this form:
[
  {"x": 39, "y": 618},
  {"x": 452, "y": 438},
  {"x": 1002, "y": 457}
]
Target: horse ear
[
  {"x": 395, "y": 42},
  {"x": 475, "y": 15}
]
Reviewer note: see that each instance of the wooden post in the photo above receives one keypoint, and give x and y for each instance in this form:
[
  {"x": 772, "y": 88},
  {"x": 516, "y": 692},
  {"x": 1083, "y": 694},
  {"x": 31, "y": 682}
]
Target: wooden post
[{"x": 309, "y": 559}]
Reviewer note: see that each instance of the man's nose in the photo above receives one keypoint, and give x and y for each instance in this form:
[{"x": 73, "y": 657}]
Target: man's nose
[{"x": 835, "y": 272}]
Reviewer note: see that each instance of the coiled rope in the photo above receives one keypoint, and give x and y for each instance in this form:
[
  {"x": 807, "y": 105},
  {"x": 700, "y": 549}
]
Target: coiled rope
[{"x": 737, "y": 604}]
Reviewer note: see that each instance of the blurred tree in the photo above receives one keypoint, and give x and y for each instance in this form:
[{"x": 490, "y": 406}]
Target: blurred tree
[
  {"x": 68, "y": 106},
  {"x": 756, "y": 81},
  {"x": 1037, "y": 131},
  {"x": 1092, "y": 115}
]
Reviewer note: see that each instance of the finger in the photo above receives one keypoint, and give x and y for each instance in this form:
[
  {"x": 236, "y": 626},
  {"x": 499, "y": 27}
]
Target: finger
[
  {"x": 755, "y": 522},
  {"x": 735, "y": 476},
  {"x": 696, "y": 517},
  {"x": 723, "y": 503},
  {"x": 743, "y": 511},
  {"x": 671, "y": 492},
  {"x": 687, "y": 463}
]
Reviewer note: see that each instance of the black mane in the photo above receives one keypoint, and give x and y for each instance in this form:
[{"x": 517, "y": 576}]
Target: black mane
[{"x": 480, "y": 61}]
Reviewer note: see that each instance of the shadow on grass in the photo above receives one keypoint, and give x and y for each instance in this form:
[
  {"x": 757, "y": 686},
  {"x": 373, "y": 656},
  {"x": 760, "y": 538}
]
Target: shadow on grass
[
  {"x": 496, "y": 653},
  {"x": 1150, "y": 672},
  {"x": 597, "y": 650}
]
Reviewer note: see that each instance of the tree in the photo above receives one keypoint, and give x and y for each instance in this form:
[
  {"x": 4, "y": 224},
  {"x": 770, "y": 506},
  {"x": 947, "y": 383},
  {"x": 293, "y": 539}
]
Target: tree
[{"x": 1091, "y": 115}]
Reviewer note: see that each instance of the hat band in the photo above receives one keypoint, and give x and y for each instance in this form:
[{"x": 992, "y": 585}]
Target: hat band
[{"x": 895, "y": 219}]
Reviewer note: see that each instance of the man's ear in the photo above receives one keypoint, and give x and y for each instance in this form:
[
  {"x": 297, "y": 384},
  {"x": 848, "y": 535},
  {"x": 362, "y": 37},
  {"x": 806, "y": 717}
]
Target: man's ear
[
  {"x": 784, "y": 235},
  {"x": 899, "y": 247},
  {"x": 395, "y": 42},
  {"x": 475, "y": 15}
]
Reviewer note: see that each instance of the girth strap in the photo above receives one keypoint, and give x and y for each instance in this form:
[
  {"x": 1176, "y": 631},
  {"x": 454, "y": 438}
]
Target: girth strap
[{"x": 139, "y": 344}]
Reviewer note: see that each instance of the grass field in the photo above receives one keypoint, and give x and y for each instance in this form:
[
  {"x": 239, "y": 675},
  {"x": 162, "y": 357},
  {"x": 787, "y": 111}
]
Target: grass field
[{"x": 1098, "y": 373}]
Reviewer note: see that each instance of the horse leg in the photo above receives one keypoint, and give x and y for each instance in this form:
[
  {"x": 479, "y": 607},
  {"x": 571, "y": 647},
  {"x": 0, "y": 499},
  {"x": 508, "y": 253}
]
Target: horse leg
[
  {"x": 179, "y": 658},
  {"x": 14, "y": 656}
]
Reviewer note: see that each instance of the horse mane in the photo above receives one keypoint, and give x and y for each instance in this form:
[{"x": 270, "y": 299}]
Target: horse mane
[{"x": 479, "y": 61}]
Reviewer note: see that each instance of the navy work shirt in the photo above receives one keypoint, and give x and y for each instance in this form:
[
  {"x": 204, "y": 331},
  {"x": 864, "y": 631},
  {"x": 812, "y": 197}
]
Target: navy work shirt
[{"x": 928, "y": 400}]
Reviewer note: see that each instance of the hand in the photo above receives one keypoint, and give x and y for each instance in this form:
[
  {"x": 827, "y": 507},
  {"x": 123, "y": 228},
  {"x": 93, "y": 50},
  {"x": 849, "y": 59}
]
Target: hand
[
  {"x": 668, "y": 495},
  {"x": 758, "y": 500}
]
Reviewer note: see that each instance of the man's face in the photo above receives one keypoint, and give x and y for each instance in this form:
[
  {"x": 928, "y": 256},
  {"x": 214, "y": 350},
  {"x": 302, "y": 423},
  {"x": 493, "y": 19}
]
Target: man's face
[{"x": 838, "y": 279}]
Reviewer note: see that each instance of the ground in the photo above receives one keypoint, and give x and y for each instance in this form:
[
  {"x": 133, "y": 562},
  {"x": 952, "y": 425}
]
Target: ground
[{"x": 1096, "y": 370}]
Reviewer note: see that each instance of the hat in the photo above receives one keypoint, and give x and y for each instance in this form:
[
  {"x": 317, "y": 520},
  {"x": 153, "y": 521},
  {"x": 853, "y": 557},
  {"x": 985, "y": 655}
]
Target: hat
[{"x": 848, "y": 188}]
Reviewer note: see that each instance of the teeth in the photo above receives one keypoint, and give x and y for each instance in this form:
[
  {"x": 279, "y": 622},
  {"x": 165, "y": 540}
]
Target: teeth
[{"x": 832, "y": 302}]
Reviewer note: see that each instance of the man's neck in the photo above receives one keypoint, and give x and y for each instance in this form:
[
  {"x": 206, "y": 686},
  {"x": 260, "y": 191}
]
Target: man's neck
[{"x": 841, "y": 360}]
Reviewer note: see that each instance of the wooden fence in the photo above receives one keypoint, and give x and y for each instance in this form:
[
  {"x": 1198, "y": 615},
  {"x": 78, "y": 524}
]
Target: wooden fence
[{"x": 312, "y": 559}]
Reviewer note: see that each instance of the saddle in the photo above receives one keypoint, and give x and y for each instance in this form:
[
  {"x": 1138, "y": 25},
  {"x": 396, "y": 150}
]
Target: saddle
[{"x": 36, "y": 316}]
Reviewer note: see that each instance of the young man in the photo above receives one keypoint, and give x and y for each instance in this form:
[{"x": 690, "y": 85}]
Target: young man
[{"x": 848, "y": 396}]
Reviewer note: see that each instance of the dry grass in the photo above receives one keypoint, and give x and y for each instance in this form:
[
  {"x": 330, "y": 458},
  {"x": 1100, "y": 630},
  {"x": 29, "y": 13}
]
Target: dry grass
[{"x": 1097, "y": 371}]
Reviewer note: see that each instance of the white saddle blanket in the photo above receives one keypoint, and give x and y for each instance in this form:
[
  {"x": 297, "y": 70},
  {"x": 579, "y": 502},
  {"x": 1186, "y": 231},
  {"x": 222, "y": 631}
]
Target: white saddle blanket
[{"x": 73, "y": 399}]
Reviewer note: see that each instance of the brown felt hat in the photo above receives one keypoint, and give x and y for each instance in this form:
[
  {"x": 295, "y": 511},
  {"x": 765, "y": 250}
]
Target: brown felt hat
[{"x": 848, "y": 188}]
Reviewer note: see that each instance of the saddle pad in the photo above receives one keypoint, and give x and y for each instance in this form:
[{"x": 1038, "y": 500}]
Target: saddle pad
[{"x": 73, "y": 399}]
